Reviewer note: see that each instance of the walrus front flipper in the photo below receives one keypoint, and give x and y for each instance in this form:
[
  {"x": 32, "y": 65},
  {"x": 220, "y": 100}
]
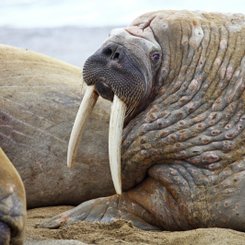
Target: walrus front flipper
[
  {"x": 12, "y": 203},
  {"x": 104, "y": 210},
  {"x": 4, "y": 234}
]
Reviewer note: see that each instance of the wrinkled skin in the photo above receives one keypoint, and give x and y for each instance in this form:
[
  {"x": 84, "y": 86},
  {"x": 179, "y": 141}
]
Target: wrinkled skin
[
  {"x": 12, "y": 203},
  {"x": 39, "y": 98},
  {"x": 183, "y": 151}
]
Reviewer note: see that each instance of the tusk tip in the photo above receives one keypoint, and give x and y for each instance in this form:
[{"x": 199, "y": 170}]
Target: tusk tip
[
  {"x": 69, "y": 162},
  {"x": 117, "y": 185}
]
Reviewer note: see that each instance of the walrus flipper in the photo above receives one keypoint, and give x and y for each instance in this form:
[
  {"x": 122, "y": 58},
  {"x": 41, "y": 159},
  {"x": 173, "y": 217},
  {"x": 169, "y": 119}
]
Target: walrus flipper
[
  {"x": 104, "y": 210},
  {"x": 12, "y": 203}
]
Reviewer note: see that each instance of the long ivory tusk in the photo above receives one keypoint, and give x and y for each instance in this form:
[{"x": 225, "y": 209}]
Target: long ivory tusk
[
  {"x": 83, "y": 113},
  {"x": 118, "y": 111}
]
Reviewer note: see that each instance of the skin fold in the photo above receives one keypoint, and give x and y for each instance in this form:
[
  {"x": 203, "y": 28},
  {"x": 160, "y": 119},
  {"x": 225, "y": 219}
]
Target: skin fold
[
  {"x": 12, "y": 203},
  {"x": 182, "y": 147}
]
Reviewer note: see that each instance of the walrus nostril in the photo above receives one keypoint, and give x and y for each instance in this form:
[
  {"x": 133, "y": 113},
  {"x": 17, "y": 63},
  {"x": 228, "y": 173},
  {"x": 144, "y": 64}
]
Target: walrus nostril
[
  {"x": 116, "y": 56},
  {"x": 108, "y": 52},
  {"x": 112, "y": 51}
]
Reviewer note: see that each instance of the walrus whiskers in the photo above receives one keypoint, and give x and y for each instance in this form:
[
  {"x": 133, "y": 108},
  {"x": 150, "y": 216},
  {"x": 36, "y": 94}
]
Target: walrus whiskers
[
  {"x": 118, "y": 110},
  {"x": 83, "y": 113}
]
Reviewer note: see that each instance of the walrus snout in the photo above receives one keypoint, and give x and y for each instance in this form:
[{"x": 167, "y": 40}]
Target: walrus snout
[{"x": 113, "y": 69}]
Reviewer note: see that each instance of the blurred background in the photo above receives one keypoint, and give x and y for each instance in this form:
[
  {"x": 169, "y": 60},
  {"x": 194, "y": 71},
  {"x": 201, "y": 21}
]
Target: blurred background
[{"x": 71, "y": 30}]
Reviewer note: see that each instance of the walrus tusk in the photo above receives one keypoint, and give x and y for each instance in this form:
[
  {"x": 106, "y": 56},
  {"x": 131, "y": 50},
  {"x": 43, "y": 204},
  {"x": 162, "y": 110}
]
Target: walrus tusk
[
  {"x": 118, "y": 111},
  {"x": 83, "y": 113}
]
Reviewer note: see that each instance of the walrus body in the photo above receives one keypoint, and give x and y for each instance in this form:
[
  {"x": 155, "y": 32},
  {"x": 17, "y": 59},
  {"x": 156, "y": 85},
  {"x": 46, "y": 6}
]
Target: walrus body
[
  {"x": 38, "y": 103},
  {"x": 12, "y": 203},
  {"x": 181, "y": 76}
]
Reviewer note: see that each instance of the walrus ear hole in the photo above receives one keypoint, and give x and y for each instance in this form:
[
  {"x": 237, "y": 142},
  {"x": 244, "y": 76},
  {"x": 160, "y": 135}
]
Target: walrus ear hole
[{"x": 155, "y": 57}]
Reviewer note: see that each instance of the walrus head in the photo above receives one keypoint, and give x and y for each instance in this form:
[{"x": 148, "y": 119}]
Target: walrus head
[
  {"x": 123, "y": 70},
  {"x": 125, "y": 66}
]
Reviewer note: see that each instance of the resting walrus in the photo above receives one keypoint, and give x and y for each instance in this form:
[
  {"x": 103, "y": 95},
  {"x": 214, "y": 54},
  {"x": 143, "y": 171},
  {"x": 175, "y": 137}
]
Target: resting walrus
[
  {"x": 12, "y": 203},
  {"x": 39, "y": 98},
  {"x": 176, "y": 79}
]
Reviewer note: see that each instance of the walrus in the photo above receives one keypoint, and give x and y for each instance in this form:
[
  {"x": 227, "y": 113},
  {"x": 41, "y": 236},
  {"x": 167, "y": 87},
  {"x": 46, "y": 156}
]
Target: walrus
[
  {"x": 12, "y": 203},
  {"x": 39, "y": 98},
  {"x": 176, "y": 80}
]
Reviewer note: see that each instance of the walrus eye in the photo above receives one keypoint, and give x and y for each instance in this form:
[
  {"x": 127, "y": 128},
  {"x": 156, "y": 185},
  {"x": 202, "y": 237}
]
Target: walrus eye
[{"x": 155, "y": 57}]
